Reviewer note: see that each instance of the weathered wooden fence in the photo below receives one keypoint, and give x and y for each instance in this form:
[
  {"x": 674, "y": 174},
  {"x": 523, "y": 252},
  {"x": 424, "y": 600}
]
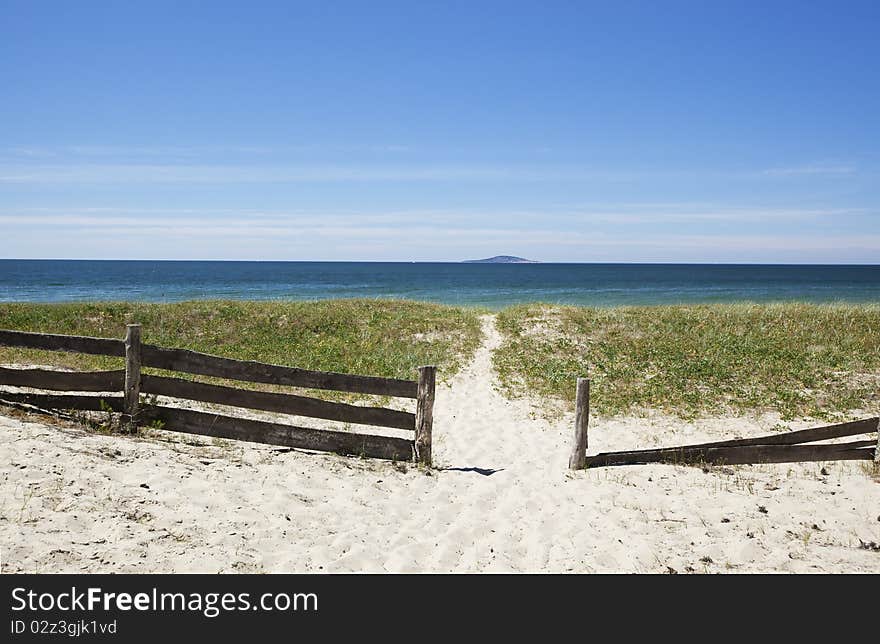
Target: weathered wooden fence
[
  {"x": 787, "y": 447},
  {"x": 126, "y": 386}
]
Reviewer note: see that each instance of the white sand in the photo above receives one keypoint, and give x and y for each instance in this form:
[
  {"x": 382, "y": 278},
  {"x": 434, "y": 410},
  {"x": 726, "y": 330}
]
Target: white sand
[{"x": 77, "y": 501}]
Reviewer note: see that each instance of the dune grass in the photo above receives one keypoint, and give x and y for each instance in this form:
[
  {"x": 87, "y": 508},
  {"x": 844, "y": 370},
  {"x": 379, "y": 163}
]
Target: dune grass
[
  {"x": 370, "y": 337},
  {"x": 799, "y": 360}
]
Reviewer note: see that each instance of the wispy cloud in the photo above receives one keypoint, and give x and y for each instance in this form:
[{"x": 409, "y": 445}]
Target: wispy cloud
[
  {"x": 194, "y": 151},
  {"x": 148, "y": 173},
  {"x": 238, "y": 240},
  {"x": 559, "y": 217},
  {"x": 811, "y": 170},
  {"x": 585, "y": 232},
  {"x": 179, "y": 173}
]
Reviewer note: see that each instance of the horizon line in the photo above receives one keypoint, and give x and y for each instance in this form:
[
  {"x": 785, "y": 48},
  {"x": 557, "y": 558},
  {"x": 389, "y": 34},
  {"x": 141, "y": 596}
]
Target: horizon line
[{"x": 451, "y": 261}]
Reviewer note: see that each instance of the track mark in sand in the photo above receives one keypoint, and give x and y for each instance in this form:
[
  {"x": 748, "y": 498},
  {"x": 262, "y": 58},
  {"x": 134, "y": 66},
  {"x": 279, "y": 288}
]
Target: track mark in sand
[{"x": 477, "y": 429}]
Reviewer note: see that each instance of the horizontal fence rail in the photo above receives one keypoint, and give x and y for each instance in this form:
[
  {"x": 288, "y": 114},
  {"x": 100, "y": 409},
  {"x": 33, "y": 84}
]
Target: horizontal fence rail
[
  {"x": 131, "y": 383},
  {"x": 63, "y": 380},
  {"x": 257, "y": 431},
  {"x": 740, "y": 455},
  {"x": 280, "y": 403},
  {"x": 204, "y": 364},
  {"x": 49, "y": 402},
  {"x": 842, "y": 430},
  {"x": 69, "y": 343}
]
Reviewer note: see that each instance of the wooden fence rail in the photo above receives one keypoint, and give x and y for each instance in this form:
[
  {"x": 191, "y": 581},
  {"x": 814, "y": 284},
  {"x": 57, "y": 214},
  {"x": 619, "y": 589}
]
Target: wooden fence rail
[
  {"x": 219, "y": 426},
  {"x": 739, "y": 455},
  {"x": 279, "y": 403},
  {"x": 204, "y": 364},
  {"x": 64, "y": 380},
  {"x": 50, "y": 402},
  {"x": 69, "y": 343},
  {"x": 788, "y": 447},
  {"x": 129, "y": 384}
]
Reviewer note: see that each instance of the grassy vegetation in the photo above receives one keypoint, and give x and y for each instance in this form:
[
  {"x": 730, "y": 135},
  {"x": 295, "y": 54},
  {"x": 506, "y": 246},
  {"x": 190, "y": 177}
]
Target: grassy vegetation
[
  {"x": 371, "y": 337},
  {"x": 800, "y": 360}
]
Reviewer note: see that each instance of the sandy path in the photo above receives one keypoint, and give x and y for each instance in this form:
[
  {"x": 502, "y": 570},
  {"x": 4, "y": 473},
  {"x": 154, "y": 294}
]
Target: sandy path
[
  {"x": 484, "y": 429},
  {"x": 501, "y": 499}
]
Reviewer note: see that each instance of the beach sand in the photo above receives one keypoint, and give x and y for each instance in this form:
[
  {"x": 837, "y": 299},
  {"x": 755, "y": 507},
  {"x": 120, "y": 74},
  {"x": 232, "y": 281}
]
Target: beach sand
[{"x": 501, "y": 499}]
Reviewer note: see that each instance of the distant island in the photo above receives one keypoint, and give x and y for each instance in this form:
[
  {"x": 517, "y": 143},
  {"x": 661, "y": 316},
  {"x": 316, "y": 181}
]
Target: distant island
[{"x": 501, "y": 259}]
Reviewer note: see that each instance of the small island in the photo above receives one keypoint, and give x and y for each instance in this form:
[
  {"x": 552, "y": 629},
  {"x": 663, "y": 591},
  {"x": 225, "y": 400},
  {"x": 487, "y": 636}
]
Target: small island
[{"x": 501, "y": 259}]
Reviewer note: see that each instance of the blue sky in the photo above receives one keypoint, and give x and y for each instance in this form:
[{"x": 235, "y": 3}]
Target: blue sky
[{"x": 560, "y": 131}]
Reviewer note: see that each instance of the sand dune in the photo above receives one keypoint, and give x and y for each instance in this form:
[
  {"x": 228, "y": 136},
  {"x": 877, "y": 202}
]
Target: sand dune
[{"x": 501, "y": 499}]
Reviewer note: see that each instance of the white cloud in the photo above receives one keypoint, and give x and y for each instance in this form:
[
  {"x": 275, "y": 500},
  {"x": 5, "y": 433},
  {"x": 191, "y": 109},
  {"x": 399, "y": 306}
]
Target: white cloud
[
  {"x": 685, "y": 232},
  {"x": 135, "y": 151},
  {"x": 811, "y": 170},
  {"x": 96, "y": 173},
  {"x": 609, "y": 214}
]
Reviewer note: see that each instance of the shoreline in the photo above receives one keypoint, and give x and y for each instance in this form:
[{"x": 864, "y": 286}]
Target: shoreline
[{"x": 471, "y": 306}]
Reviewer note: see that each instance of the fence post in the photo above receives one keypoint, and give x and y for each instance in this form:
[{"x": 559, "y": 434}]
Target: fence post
[
  {"x": 132, "y": 376},
  {"x": 425, "y": 414},
  {"x": 578, "y": 458},
  {"x": 877, "y": 449}
]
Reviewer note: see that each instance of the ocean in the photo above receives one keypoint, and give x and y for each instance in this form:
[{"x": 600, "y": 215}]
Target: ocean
[{"x": 488, "y": 285}]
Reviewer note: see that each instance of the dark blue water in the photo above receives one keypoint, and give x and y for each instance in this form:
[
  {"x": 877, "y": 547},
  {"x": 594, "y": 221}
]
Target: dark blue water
[{"x": 492, "y": 285}]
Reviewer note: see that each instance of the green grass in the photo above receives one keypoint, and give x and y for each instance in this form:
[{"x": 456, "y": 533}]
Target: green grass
[
  {"x": 370, "y": 337},
  {"x": 799, "y": 360}
]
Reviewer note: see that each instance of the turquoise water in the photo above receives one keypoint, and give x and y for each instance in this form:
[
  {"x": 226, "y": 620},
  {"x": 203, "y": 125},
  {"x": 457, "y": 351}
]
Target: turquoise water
[{"x": 490, "y": 285}]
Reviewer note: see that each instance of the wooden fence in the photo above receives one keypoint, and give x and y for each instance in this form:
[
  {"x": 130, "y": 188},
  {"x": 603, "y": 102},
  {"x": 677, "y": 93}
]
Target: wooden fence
[
  {"x": 126, "y": 386},
  {"x": 787, "y": 447}
]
